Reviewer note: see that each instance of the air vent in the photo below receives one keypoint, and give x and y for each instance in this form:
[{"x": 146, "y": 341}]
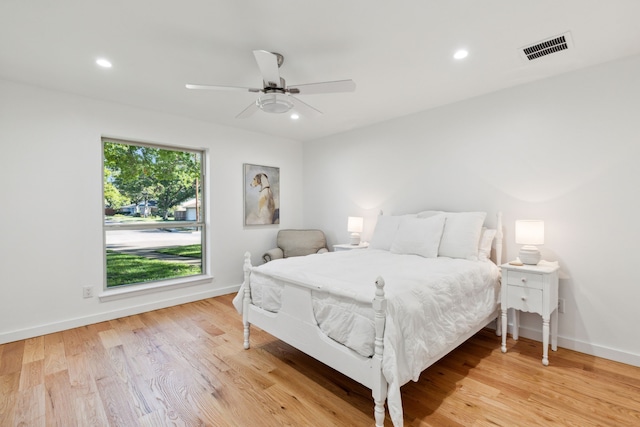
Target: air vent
[{"x": 547, "y": 47}]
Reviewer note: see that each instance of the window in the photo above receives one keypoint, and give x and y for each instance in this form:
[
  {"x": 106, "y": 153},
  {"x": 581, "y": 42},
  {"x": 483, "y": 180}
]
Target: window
[{"x": 154, "y": 213}]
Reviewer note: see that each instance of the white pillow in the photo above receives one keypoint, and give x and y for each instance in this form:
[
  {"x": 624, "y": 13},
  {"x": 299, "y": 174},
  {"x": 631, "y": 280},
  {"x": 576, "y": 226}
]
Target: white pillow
[
  {"x": 419, "y": 236},
  {"x": 427, "y": 214},
  {"x": 484, "y": 250},
  {"x": 461, "y": 235},
  {"x": 385, "y": 231}
]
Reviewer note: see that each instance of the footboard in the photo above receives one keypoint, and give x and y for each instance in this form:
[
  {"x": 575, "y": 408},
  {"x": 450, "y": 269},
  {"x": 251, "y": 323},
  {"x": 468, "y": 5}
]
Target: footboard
[{"x": 296, "y": 325}]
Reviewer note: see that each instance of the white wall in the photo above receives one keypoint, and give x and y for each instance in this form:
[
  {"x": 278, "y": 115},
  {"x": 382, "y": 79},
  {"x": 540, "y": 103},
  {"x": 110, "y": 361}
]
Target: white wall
[
  {"x": 51, "y": 216},
  {"x": 564, "y": 150}
]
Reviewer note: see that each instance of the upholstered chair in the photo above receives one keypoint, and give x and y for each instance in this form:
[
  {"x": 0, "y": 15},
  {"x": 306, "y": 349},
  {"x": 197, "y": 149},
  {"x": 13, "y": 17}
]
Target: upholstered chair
[{"x": 297, "y": 243}]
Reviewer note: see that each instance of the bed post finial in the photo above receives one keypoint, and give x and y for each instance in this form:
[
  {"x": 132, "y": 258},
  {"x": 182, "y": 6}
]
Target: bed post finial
[
  {"x": 379, "y": 287},
  {"x": 246, "y": 300},
  {"x": 379, "y": 389}
]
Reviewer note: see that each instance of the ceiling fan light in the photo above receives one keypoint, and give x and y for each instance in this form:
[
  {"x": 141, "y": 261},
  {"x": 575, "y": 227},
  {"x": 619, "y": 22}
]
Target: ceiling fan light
[
  {"x": 104, "y": 63},
  {"x": 461, "y": 54},
  {"x": 274, "y": 103}
]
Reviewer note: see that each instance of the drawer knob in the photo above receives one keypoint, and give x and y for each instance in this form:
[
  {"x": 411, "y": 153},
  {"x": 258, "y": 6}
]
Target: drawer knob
[
  {"x": 523, "y": 280},
  {"x": 523, "y": 298}
]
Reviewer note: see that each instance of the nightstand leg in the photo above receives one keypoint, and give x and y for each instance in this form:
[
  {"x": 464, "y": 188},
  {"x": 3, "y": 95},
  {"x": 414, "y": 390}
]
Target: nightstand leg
[
  {"x": 516, "y": 324},
  {"x": 545, "y": 341},
  {"x": 504, "y": 330},
  {"x": 554, "y": 330}
]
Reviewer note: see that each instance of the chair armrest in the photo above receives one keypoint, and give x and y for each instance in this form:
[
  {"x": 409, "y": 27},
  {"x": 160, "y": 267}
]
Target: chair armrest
[
  {"x": 322, "y": 250},
  {"x": 272, "y": 254}
]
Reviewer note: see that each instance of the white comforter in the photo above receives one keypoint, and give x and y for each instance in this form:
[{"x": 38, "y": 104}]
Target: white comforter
[{"x": 431, "y": 302}]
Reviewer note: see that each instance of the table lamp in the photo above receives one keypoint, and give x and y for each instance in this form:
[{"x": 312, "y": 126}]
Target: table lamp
[
  {"x": 529, "y": 233},
  {"x": 354, "y": 226}
]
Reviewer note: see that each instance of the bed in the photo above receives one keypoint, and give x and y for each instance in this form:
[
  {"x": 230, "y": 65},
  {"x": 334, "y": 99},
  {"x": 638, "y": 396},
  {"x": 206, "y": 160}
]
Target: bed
[{"x": 382, "y": 315}]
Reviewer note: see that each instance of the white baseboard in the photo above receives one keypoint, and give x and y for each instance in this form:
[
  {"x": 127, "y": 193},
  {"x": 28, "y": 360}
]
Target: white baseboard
[
  {"x": 76, "y": 322},
  {"x": 582, "y": 347}
]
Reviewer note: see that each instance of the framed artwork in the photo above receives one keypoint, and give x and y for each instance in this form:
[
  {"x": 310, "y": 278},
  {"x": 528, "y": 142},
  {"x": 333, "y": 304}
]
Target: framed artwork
[{"x": 261, "y": 195}]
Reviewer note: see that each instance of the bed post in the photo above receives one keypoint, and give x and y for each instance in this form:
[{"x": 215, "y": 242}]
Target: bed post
[
  {"x": 379, "y": 389},
  {"x": 246, "y": 298},
  {"x": 499, "y": 237}
]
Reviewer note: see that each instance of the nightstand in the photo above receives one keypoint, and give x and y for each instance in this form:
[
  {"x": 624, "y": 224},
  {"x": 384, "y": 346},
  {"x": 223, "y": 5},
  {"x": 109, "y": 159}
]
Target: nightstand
[
  {"x": 348, "y": 247},
  {"x": 534, "y": 289}
]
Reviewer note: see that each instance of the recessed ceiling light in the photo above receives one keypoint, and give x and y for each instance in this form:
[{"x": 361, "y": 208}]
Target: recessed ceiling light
[
  {"x": 294, "y": 116},
  {"x": 104, "y": 63},
  {"x": 460, "y": 54}
]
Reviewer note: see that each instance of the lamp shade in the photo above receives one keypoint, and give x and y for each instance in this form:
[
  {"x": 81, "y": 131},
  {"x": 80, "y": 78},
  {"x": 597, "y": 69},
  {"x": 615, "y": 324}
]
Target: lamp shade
[
  {"x": 530, "y": 232},
  {"x": 354, "y": 224}
]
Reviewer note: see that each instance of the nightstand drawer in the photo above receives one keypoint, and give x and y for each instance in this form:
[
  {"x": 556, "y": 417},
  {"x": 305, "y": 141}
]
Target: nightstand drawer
[
  {"x": 522, "y": 278},
  {"x": 525, "y": 299}
]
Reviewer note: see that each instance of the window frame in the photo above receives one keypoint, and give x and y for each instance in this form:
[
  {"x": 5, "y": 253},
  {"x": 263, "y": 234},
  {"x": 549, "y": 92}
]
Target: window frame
[{"x": 201, "y": 223}]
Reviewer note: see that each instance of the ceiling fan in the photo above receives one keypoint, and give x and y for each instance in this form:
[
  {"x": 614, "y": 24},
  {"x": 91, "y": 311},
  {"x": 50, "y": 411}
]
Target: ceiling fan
[{"x": 276, "y": 96}]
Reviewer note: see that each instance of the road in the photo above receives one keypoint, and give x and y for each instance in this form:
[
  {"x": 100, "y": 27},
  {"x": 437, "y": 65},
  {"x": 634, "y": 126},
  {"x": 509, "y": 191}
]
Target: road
[{"x": 147, "y": 239}]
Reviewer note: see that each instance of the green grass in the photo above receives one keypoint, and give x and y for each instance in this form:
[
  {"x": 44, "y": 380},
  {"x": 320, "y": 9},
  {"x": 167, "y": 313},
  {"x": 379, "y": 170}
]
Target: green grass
[
  {"x": 124, "y": 269},
  {"x": 191, "y": 251}
]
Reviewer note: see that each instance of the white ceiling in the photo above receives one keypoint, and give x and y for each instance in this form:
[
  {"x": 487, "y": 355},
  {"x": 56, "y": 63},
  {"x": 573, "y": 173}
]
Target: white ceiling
[{"x": 399, "y": 52}]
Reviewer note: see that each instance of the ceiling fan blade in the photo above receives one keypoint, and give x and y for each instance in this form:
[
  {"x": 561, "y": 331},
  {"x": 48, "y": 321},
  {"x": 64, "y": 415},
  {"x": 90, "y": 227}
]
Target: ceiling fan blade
[
  {"x": 212, "y": 87},
  {"x": 268, "y": 64},
  {"x": 324, "y": 87},
  {"x": 248, "y": 112},
  {"x": 303, "y": 108}
]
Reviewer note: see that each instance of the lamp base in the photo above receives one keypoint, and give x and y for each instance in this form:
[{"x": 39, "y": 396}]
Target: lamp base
[
  {"x": 355, "y": 239},
  {"x": 529, "y": 255}
]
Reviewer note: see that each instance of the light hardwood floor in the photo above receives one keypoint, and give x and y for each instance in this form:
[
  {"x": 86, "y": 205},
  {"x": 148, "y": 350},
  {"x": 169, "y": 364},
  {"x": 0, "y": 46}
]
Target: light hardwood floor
[{"x": 185, "y": 366}]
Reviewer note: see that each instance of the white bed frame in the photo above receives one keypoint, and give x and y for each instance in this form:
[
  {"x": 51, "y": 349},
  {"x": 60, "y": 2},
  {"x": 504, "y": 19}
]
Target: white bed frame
[{"x": 296, "y": 325}]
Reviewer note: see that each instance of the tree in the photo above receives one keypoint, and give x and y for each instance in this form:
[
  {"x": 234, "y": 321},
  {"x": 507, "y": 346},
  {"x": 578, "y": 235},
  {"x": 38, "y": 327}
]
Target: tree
[
  {"x": 144, "y": 173},
  {"x": 112, "y": 196}
]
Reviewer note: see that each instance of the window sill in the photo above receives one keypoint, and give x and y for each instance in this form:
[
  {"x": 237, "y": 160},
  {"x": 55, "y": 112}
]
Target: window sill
[{"x": 152, "y": 288}]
